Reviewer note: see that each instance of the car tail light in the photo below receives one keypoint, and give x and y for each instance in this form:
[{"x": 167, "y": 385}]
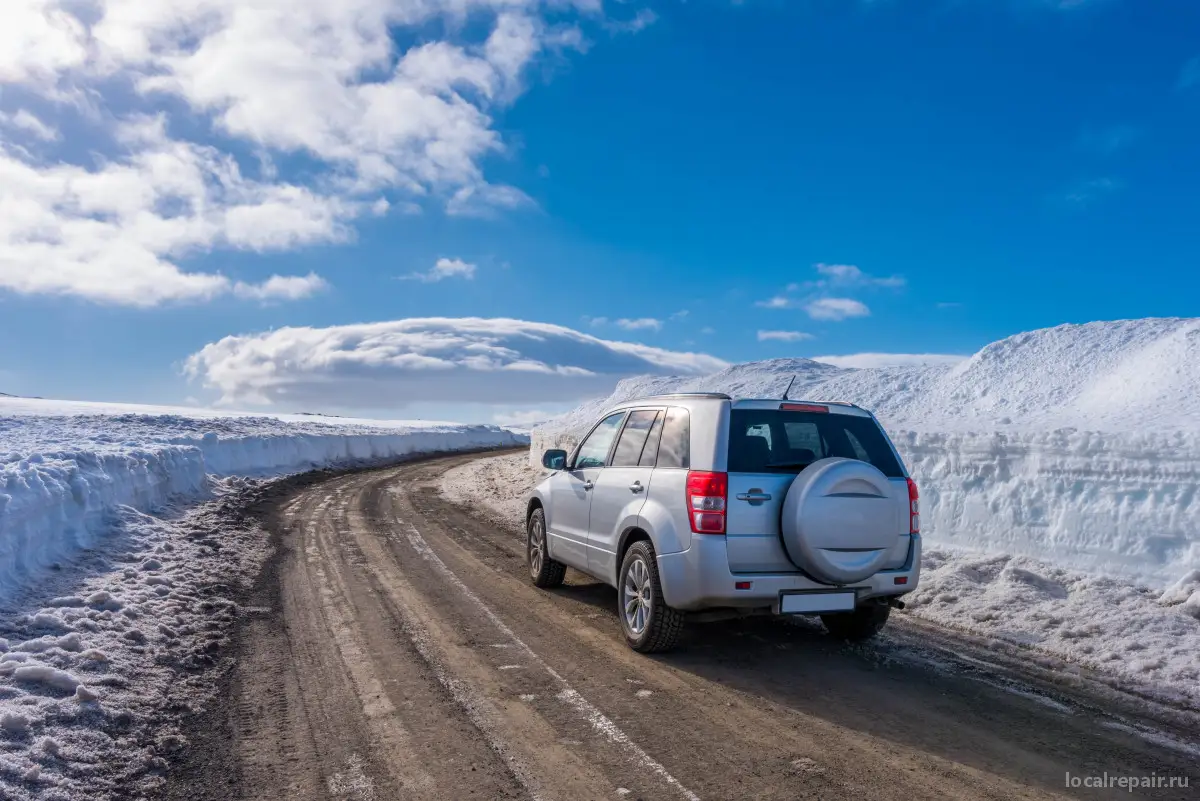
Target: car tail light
[
  {"x": 914, "y": 508},
  {"x": 803, "y": 407},
  {"x": 706, "y": 501}
]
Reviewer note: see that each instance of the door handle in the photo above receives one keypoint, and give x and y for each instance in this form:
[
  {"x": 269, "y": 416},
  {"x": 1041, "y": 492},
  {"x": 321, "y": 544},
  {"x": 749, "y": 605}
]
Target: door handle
[
  {"x": 587, "y": 485},
  {"x": 636, "y": 487},
  {"x": 754, "y": 496}
]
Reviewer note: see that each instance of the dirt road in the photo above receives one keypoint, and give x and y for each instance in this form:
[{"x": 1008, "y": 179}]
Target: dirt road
[{"x": 396, "y": 650}]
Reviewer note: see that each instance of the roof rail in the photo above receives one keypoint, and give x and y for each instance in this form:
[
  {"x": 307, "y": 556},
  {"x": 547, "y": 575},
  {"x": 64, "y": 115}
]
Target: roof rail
[{"x": 717, "y": 395}]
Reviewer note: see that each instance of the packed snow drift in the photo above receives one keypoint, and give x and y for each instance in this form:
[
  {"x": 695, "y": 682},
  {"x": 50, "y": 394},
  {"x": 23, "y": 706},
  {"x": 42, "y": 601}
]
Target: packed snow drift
[
  {"x": 1077, "y": 445},
  {"x": 66, "y": 467}
]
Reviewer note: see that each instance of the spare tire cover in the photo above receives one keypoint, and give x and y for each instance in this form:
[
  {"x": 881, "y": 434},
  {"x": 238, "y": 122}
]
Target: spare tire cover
[{"x": 839, "y": 520}]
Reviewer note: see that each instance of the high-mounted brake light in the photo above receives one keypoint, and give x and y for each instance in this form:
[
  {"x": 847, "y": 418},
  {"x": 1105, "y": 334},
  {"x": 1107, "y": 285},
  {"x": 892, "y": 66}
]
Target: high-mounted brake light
[
  {"x": 706, "y": 501},
  {"x": 803, "y": 407},
  {"x": 914, "y": 508}
]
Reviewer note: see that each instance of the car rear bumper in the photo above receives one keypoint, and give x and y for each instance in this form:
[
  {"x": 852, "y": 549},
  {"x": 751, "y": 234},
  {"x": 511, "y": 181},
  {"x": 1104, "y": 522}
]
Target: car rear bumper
[{"x": 699, "y": 578}]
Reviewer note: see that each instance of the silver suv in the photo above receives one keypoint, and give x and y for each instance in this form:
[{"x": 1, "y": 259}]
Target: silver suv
[{"x": 700, "y": 503}]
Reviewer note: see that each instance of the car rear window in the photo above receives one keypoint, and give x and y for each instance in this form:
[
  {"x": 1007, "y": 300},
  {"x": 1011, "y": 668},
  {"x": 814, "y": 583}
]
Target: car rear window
[{"x": 778, "y": 441}]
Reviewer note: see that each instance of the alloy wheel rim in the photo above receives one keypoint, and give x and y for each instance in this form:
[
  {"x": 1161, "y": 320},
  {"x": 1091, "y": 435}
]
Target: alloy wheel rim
[
  {"x": 537, "y": 547},
  {"x": 638, "y": 602}
]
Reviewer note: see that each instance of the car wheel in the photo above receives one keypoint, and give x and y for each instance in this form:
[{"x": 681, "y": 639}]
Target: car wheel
[
  {"x": 544, "y": 571},
  {"x": 650, "y": 626},
  {"x": 861, "y": 624}
]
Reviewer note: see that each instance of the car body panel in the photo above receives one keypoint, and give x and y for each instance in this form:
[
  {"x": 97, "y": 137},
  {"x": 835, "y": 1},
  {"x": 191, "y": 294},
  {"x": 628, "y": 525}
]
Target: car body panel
[
  {"x": 700, "y": 578},
  {"x": 568, "y": 515},
  {"x": 615, "y": 509}
]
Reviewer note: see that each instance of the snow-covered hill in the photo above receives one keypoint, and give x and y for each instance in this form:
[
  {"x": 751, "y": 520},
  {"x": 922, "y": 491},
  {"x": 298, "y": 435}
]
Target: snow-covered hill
[
  {"x": 1078, "y": 445},
  {"x": 66, "y": 467},
  {"x": 1124, "y": 376}
]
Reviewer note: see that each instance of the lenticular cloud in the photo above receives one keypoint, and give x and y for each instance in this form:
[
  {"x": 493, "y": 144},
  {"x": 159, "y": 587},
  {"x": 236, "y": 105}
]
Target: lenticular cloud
[{"x": 428, "y": 359}]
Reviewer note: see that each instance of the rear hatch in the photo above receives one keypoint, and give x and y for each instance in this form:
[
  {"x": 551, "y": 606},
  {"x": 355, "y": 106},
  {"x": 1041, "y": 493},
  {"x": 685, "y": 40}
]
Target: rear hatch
[{"x": 770, "y": 443}]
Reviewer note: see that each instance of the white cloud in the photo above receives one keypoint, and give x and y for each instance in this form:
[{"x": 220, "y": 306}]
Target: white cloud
[
  {"x": 836, "y": 309},
  {"x": 38, "y": 40},
  {"x": 849, "y": 275},
  {"x": 428, "y": 359},
  {"x": 25, "y": 121},
  {"x": 864, "y": 360},
  {"x": 777, "y": 302},
  {"x": 783, "y": 336},
  {"x": 679, "y": 315},
  {"x": 833, "y": 277},
  {"x": 643, "y": 19},
  {"x": 111, "y": 233},
  {"x": 446, "y": 268},
  {"x": 280, "y": 287},
  {"x": 640, "y": 324},
  {"x": 595, "y": 321},
  {"x": 483, "y": 200},
  {"x": 320, "y": 84}
]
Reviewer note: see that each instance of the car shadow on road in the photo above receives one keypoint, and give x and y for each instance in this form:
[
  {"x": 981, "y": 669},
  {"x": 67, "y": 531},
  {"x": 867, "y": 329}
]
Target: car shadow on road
[{"x": 887, "y": 690}]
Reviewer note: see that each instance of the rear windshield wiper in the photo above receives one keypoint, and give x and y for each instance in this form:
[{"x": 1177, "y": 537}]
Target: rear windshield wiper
[{"x": 788, "y": 464}]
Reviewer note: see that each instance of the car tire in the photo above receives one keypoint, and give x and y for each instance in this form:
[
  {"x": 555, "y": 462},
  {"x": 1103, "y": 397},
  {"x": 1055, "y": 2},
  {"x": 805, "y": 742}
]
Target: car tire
[
  {"x": 649, "y": 625},
  {"x": 861, "y": 624},
  {"x": 544, "y": 571}
]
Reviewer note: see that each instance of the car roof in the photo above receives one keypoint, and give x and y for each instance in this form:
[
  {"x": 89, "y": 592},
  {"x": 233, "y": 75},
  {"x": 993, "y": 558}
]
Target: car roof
[{"x": 693, "y": 399}]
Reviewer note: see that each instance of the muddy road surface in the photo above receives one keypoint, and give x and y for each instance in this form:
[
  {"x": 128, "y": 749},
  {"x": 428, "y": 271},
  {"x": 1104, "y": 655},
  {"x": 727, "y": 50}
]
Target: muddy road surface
[{"x": 395, "y": 649}]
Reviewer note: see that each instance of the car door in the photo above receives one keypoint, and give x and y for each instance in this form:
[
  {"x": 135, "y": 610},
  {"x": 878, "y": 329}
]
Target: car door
[
  {"x": 571, "y": 493},
  {"x": 620, "y": 490}
]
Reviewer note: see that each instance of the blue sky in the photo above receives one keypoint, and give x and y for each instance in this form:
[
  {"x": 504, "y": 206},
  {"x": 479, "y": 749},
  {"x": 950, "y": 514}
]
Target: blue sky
[{"x": 988, "y": 168}]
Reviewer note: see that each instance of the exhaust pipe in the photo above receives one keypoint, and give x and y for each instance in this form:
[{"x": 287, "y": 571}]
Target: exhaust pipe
[{"x": 895, "y": 603}]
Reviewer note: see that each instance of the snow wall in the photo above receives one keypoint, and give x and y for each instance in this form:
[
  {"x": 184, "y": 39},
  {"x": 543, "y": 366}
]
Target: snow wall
[{"x": 61, "y": 477}]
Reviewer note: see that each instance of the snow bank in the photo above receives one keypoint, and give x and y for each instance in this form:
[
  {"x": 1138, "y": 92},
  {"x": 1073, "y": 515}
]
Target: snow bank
[
  {"x": 1077, "y": 445},
  {"x": 99, "y": 663},
  {"x": 65, "y": 467},
  {"x": 1141, "y": 640}
]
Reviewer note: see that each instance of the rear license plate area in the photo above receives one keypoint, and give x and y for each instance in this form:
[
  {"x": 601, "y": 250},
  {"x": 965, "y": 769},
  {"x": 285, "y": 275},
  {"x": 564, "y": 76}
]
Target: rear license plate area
[{"x": 807, "y": 603}]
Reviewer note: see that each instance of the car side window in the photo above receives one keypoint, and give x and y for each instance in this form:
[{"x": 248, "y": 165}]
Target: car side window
[
  {"x": 650, "y": 452},
  {"x": 633, "y": 438},
  {"x": 675, "y": 448},
  {"x": 594, "y": 450}
]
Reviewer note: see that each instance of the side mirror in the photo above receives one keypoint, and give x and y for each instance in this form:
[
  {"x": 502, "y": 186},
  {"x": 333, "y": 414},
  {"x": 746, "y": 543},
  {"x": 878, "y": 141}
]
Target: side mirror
[{"x": 554, "y": 459}]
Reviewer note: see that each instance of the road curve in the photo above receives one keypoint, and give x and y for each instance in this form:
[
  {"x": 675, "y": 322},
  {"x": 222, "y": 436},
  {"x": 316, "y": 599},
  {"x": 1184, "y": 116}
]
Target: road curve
[{"x": 395, "y": 649}]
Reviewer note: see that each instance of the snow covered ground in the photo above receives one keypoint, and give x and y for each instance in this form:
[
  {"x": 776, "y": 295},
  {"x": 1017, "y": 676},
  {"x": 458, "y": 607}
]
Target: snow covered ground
[
  {"x": 99, "y": 662},
  {"x": 1136, "y": 639},
  {"x": 122, "y": 545}
]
